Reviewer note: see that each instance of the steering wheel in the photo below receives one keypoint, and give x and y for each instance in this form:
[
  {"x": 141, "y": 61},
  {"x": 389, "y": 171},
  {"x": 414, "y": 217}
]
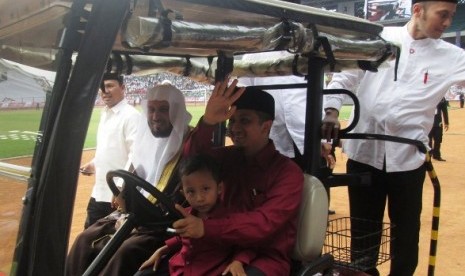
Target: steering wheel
[{"x": 136, "y": 182}]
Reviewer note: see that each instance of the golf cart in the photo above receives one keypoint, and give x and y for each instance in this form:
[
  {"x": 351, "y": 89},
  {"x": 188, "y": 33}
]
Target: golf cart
[{"x": 200, "y": 39}]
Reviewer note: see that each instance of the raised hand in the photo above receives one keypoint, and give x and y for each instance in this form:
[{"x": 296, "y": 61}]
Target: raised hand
[{"x": 219, "y": 107}]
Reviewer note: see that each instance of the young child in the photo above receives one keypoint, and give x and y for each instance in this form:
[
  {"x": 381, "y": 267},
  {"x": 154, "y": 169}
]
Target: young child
[{"x": 202, "y": 188}]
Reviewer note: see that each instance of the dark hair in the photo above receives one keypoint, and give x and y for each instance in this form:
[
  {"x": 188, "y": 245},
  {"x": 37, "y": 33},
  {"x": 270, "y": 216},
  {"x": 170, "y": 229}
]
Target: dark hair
[
  {"x": 113, "y": 76},
  {"x": 200, "y": 162}
]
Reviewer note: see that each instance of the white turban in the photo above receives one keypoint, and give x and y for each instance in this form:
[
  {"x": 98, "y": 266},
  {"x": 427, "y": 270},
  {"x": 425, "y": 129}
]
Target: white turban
[{"x": 151, "y": 154}]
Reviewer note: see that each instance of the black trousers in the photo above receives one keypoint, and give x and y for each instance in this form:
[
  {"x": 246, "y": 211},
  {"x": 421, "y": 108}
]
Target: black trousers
[
  {"x": 403, "y": 193},
  {"x": 97, "y": 210},
  {"x": 435, "y": 140}
]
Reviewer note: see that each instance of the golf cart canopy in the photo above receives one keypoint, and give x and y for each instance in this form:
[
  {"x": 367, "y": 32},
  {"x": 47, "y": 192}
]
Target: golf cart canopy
[{"x": 171, "y": 35}]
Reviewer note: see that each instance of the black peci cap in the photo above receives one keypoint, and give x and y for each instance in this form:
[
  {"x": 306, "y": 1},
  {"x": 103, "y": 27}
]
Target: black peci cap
[
  {"x": 113, "y": 76},
  {"x": 256, "y": 99}
]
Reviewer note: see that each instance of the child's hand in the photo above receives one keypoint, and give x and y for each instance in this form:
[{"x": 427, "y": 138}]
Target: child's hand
[
  {"x": 154, "y": 260},
  {"x": 190, "y": 226},
  {"x": 235, "y": 269}
]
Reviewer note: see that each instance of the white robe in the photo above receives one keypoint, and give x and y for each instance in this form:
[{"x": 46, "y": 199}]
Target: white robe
[{"x": 402, "y": 108}]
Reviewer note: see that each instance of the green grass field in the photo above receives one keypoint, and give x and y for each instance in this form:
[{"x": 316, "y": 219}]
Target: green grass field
[{"x": 18, "y": 129}]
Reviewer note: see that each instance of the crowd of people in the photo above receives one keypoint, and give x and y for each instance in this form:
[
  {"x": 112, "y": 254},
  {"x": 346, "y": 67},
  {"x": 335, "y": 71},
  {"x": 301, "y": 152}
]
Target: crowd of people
[{"x": 137, "y": 86}]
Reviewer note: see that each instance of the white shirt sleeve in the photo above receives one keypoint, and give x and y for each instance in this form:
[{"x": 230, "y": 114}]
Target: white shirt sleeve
[{"x": 345, "y": 80}]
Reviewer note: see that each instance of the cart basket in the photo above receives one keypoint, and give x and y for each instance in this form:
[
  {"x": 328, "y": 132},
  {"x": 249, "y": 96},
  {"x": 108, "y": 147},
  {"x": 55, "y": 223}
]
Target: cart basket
[{"x": 358, "y": 244}]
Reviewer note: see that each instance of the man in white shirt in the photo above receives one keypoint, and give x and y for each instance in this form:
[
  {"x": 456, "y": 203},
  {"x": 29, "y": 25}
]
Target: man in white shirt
[
  {"x": 399, "y": 102},
  {"x": 115, "y": 139}
]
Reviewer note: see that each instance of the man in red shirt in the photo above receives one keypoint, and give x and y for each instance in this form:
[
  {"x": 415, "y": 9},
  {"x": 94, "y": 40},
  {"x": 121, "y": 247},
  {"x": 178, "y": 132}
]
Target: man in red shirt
[{"x": 262, "y": 187}]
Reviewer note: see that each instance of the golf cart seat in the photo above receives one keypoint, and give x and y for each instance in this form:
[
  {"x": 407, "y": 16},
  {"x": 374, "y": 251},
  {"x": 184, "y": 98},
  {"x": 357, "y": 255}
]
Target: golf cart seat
[{"x": 311, "y": 228}]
